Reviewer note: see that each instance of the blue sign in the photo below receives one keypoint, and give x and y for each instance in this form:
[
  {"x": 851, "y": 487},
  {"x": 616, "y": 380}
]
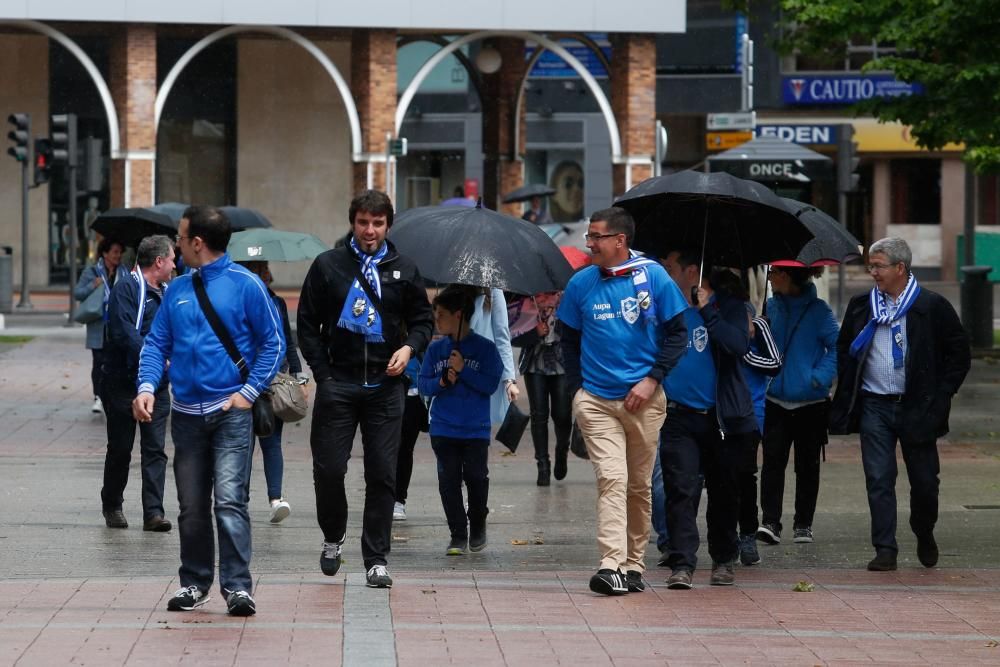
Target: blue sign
[
  {"x": 551, "y": 66},
  {"x": 843, "y": 89},
  {"x": 800, "y": 134}
]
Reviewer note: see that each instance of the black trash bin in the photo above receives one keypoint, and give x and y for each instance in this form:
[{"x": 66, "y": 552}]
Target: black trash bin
[
  {"x": 6, "y": 279},
  {"x": 977, "y": 305}
]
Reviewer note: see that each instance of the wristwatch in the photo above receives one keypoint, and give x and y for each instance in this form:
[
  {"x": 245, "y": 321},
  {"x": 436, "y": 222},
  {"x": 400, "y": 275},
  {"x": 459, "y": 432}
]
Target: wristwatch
[{"x": 302, "y": 378}]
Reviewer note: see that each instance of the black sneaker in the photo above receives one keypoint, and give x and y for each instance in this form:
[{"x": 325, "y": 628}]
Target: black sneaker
[
  {"x": 634, "y": 582},
  {"x": 477, "y": 538},
  {"x": 664, "y": 559},
  {"x": 680, "y": 580},
  {"x": 927, "y": 550},
  {"x": 187, "y": 599},
  {"x": 240, "y": 603},
  {"x": 608, "y": 582},
  {"x": 378, "y": 577},
  {"x": 802, "y": 535},
  {"x": 330, "y": 558},
  {"x": 115, "y": 519},
  {"x": 457, "y": 546},
  {"x": 768, "y": 533},
  {"x": 884, "y": 561},
  {"x": 748, "y": 550},
  {"x": 722, "y": 574}
]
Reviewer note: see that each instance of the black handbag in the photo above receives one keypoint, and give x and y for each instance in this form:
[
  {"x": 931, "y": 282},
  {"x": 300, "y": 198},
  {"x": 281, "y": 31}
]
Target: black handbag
[
  {"x": 263, "y": 410},
  {"x": 577, "y": 444},
  {"x": 512, "y": 429}
]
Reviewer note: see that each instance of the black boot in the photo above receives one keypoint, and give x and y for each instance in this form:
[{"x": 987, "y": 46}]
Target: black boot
[
  {"x": 560, "y": 470},
  {"x": 544, "y": 471}
]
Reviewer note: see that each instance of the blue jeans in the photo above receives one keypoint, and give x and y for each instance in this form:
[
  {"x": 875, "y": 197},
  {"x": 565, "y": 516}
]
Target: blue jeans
[
  {"x": 212, "y": 458},
  {"x": 660, "y": 507},
  {"x": 461, "y": 459},
  {"x": 880, "y": 425},
  {"x": 274, "y": 462}
]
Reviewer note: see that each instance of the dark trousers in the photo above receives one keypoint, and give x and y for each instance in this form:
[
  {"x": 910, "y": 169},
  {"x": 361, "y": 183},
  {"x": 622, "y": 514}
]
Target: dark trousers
[
  {"x": 117, "y": 395},
  {"x": 748, "y": 524},
  {"x": 414, "y": 421},
  {"x": 880, "y": 426},
  {"x": 274, "y": 461},
  {"x": 690, "y": 444},
  {"x": 339, "y": 408},
  {"x": 96, "y": 374},
  {"x": 804, "y": 427},
  {"x": 543, "y": 391},
  {"x": 458, "y": 460}
]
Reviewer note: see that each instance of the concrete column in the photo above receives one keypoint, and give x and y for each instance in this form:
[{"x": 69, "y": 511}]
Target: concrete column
[
  {"x": 952, "y": 215},
  {"x": 133, "y": 87},
  {"x": 503, "y": 167},
  {"x": 373, "y": 83},
  {"x": 881, "y": 199},
  {"x": 633, "y": 100}
]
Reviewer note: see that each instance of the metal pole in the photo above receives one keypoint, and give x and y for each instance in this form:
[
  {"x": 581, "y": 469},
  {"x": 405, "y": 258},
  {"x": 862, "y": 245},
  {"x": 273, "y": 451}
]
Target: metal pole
[
  {"x": 970, "y": 217},
  {"x": 842, "y": 209},
  {"x": 25, "y": 303},
  {"x": 71, "y": 174}
]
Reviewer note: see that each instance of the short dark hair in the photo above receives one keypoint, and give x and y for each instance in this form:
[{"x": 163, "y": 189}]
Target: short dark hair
[
  {"x": 725, "y": 282},
  {"x": 375, "y": 202},
  {"x": 800, "y": 275},
  {"x": 619, "y": 221},
  {"x": 211, "y": 224},
  {"x": 454, "y": 298},
  {"x": 152, "y": 247},
  {"x": 690, "y": 255},
  {"x": 106, "y": 243}
]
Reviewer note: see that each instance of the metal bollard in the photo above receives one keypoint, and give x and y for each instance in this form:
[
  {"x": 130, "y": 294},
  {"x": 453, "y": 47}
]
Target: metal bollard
[
  {"x": 977, "y": 305},
  {"x": 7, "y": 279}
]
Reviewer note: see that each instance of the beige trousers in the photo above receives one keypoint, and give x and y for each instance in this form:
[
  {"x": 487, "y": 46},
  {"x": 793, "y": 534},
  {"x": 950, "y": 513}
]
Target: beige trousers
[{"x": 622, "y": 448}]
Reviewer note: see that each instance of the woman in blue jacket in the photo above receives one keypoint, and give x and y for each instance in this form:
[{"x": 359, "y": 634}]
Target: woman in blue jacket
[{"x": 805, "y": 330}]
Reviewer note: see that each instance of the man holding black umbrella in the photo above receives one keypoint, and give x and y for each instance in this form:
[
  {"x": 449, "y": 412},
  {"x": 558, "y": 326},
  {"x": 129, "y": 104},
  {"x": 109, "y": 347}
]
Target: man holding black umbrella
[
  {"x": 362, "y": 314},
  {"x": 623, "y": 332}
]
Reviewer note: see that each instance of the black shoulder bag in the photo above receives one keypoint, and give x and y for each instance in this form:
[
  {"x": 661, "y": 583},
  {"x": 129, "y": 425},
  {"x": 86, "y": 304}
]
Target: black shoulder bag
[{"x": 263, "y": 411}]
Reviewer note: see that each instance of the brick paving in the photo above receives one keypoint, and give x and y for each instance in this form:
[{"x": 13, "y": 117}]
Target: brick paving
[{"x": 74, "y": 592}]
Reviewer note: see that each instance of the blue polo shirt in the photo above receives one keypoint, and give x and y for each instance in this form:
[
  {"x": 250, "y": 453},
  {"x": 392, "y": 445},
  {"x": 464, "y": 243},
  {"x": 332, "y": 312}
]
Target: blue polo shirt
[
  {"x": 692, "y": 382},
  {"x": 618, "y": 345}
]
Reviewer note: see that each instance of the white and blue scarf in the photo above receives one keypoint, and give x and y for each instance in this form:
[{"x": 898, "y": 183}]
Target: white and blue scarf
[
  {"x": 880, "y": 315},
  {"x": 635, "y": 266},
  {"x": 359, "y": 313}
]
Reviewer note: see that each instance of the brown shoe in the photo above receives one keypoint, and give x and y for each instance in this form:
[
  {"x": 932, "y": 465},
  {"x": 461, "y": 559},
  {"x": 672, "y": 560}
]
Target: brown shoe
[
  {"x": 680, "y": 580},
  {"x": 157, "y": 525},
  {"x": 115, "y": 519},
  {"x": 722, "y": 574}
]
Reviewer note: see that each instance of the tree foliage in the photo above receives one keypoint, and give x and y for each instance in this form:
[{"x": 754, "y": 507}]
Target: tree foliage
[{"x": 950, "y": 47}]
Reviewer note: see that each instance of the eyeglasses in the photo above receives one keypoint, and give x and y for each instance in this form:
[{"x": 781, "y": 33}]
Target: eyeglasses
[
  {"x": 879, "y": 267},
  {"x": 179, "y": 237},
  {"x": 598, "y": 237}
]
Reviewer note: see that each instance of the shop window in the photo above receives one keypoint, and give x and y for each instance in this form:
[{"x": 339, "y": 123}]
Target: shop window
[
  {"x": 856, "y": 55},
  {"x": 916, "y": 191}
]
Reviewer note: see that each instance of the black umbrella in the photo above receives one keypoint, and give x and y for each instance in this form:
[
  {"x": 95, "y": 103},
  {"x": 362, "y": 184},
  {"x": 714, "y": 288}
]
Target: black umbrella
[
  {"x": 244, "y": 218},
  {"x": 476, "y": 246},
  {"x": 832, "y": 243},
  {"x": 131, "y": 225},
  {"x": 738, "y": 223},
  {"x": 526, "y": 192}
]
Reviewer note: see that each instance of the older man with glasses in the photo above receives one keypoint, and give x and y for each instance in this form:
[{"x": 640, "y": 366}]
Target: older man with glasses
[{"x": 901, "y": 355}]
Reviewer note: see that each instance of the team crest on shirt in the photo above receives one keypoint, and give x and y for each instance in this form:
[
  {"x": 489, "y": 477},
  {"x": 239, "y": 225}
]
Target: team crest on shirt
[
  {"x": 699, "y": 338},
  {"x": 630, "y": 309}
]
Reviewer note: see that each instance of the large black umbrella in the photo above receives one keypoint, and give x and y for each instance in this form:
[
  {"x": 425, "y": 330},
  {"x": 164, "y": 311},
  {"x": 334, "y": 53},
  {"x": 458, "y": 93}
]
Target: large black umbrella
[
  {"x": 526, "y": 192},
  {"x": 131, "y": 225},
  {"x": 738, "y": 223},
  {"x": 476, "y": 246},
  {"x": 244, "y": 218},
  {"x": 832, "y": 243}
]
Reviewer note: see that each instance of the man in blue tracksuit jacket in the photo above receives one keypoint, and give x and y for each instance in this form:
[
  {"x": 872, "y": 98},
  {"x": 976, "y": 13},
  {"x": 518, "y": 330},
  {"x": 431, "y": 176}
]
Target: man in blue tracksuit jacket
[{"x": 212, "y": 424}]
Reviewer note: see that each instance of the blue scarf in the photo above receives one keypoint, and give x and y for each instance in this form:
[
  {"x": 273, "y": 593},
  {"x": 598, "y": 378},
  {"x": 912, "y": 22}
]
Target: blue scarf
[
  {"x": 880, "y": 315},
  {"x": 635, "y": 266},
  {"x": 359, "y": 314}
]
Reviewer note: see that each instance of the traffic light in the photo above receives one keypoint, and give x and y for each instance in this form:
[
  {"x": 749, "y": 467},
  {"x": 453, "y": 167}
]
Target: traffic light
[
  {"x": 62, "y": 133},
  {"x": 21, "y": 136},
  {"x": 847, "y": 160},
  {"x": 43, "y": 161}
]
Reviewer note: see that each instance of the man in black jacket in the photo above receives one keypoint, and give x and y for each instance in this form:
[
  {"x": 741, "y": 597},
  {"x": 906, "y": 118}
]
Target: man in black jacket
[
  {"x": 710, "y": 426},
  {"x": 362, "y": 314},
  {"x": 131, "y": 309},
  {"x": 902, "y": 354}
]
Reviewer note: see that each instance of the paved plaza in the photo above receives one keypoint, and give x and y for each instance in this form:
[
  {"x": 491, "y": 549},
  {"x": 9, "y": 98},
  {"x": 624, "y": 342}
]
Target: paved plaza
[{"x": 75, "y": 592}]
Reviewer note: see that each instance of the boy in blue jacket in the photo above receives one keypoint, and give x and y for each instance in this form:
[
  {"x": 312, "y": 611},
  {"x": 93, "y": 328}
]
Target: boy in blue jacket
[{"x": 459, "y": 372}]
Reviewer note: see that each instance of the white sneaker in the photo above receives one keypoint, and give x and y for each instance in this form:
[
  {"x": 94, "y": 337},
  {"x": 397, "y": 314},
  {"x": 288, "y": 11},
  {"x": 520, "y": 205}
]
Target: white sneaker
[
  {"x": 280, "y": 509},
  {"x": 399, "y": 512},
  {"x": 97, "y": 408}
]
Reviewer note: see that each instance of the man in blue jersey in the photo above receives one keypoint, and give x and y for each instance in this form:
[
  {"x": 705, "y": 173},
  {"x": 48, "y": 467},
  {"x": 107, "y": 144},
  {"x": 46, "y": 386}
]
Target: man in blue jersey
[
  {"x": 711, "y": 424},
  {"x": 623, "y": 332},
  {"x": 211, "y": 420}
]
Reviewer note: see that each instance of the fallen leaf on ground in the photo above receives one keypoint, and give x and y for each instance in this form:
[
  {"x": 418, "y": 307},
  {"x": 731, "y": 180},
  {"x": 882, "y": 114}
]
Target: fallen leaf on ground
[
  {"x": 803, "y": 587},
  {"x": 992, "y": 643},
  {"x": 400, "y": 538},
  {"x": 428, "y": 591},
  {"x": 519, "y": 543},
  {"x": 507, "y": 453},
  {"x": 538, "y": 540}
]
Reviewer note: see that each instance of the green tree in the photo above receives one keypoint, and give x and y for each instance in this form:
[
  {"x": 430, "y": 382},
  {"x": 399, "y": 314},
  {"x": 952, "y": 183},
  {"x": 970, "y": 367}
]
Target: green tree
[{"x": 950, "y": 47}]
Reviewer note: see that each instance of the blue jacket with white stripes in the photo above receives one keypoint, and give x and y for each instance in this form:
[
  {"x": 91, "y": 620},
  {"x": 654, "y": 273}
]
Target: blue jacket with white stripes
[{"x": 201, "y": 372}]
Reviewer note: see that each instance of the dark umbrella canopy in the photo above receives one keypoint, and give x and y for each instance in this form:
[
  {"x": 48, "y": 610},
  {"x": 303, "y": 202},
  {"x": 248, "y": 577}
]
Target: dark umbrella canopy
[
  {"x": 476, "y": 246},
  {"x": 739, "y": 223},
  {"x": 131, "y": 225},
  {"x": 244, "y": 218},
  {"x": 526, "y": 192},
  {"x": 832, "y": 243}
]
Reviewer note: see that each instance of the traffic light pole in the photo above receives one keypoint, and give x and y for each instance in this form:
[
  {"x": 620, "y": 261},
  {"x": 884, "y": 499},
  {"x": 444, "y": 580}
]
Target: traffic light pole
[
  {"x": 25, "y": 303},
  {"x": 71, "y": 174}
]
